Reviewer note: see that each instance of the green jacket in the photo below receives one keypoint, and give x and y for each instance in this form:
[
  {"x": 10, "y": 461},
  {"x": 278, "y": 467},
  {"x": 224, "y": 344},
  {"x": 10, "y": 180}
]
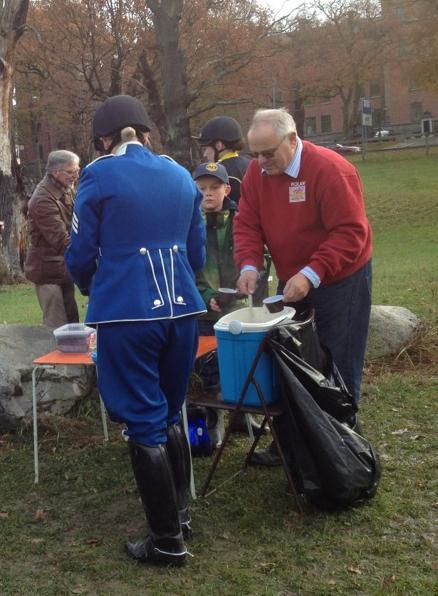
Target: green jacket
[{"x": 219, "y": 270}]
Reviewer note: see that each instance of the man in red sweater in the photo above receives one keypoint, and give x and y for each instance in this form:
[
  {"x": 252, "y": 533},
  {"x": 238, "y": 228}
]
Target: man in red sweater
[{"x": 306, "y": 204}]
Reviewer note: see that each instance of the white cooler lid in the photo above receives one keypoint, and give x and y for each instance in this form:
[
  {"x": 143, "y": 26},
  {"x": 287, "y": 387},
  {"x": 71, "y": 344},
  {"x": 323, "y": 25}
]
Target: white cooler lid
[{"x": 252, "y": 322}]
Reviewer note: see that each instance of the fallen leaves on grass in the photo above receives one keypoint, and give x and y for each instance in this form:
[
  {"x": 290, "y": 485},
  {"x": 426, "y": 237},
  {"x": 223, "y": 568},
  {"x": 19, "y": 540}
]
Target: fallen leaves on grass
[
  {"x": 93, "y": 542},
  {"x": 355, "y": 570},
  {"x": 40, "y": 515},
  {"x": 400, "y": 431},
  {"x": 266, "y": 567},
  {"x": 36, "y": 540},
  {"x": 78, "y": 590},
  {"x": 4, "y": 514}
]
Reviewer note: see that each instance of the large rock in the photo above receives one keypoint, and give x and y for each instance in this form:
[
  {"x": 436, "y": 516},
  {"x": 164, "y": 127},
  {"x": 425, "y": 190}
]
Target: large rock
[
  {"x": 57, "y": 390},
  {"x": 391, "y": 328}
]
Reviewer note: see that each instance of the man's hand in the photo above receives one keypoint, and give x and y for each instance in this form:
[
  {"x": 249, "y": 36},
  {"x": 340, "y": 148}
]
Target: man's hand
[
  {"x": 213, "y": 305},
  {"x": 296, "y": 288},
  {"x": 247, "y": 282}
]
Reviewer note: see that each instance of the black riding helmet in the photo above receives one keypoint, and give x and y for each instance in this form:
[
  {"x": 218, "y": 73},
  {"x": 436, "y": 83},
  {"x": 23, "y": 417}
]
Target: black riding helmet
[
  {"x": 117, "y": 112},
  {"x": 220, "y": 128}
]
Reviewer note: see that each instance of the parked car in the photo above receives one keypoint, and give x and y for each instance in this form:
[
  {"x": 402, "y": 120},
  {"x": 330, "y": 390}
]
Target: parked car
[
  {"x": 344, "y": 148},
  {"x": 384, "y": 133}
]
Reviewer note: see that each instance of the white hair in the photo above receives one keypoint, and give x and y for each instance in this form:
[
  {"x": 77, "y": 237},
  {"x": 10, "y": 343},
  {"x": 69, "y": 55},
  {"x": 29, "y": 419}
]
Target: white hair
[
  {"x": 60, "y": 158},
  {"x": 280, "y": 120}
]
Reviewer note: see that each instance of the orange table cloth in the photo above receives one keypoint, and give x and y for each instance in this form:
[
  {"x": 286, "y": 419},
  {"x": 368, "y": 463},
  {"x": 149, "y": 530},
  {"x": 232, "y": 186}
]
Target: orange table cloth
[{"x": 206, "y": 344}]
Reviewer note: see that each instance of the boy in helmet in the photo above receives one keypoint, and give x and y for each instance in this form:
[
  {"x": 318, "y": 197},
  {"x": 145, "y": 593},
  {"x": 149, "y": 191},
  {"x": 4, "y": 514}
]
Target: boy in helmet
[
  {"x": 137, "y": 263},
  {"x": 222, "y": 140}
]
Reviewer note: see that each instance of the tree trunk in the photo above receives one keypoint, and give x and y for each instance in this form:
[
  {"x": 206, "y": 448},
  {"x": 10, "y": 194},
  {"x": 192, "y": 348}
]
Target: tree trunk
[
  {"x": 13, "y": 15},
  {"x": 175, "y": 95}
]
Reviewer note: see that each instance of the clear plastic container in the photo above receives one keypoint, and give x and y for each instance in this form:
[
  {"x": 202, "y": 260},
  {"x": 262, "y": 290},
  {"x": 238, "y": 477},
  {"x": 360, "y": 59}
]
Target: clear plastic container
[{"x": 73, "y": 337}]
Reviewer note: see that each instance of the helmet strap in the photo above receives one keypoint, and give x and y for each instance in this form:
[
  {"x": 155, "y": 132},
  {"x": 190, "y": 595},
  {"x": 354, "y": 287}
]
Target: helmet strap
[{"x": 217, "y": 152}]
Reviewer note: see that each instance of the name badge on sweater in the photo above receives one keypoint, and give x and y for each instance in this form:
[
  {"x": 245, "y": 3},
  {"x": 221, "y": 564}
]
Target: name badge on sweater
[{"x": 297, "y": 192}]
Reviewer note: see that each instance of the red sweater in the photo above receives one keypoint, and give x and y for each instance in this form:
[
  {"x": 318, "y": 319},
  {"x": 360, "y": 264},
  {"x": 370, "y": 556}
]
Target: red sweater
[{"x": 316, "y": 220}]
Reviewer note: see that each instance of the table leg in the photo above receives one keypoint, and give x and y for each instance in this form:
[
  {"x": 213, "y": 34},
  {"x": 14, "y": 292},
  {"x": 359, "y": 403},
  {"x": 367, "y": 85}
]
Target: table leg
[
  {"x": 103, "y": 415},
  {"x": 43, "y": 367},
  {"x": 35, "y": 426},
  {"x": 186, "y": 430},
  {"x": 249, "y": 427}
]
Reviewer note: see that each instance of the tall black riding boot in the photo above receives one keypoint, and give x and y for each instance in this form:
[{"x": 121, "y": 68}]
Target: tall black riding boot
[
  {"x": 153, "y": 473},
  {"x": 179, "y": 455}
]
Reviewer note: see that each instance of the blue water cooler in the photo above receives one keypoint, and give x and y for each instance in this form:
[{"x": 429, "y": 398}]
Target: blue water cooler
[{"x": 239, "y": 335}]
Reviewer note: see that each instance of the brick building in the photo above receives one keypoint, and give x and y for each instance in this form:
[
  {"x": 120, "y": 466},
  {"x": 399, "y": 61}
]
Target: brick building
[{"x": 396, "y": 101}]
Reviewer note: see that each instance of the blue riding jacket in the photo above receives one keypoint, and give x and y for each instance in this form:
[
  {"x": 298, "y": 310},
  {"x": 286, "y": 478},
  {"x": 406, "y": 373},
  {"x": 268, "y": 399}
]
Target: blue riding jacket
[{"x": 137, "y": 238}]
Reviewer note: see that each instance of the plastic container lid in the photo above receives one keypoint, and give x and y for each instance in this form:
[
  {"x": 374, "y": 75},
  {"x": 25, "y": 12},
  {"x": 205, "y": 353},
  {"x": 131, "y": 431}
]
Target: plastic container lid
[
  {"x": 247, "y": 320},
  {"x": 73, "y": 330}
]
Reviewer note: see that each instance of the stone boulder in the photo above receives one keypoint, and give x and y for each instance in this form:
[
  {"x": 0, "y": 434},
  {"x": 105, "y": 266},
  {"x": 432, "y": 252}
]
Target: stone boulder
[
  {"x": 58, "y": 389},
  {"x": 391, "y": 328}
]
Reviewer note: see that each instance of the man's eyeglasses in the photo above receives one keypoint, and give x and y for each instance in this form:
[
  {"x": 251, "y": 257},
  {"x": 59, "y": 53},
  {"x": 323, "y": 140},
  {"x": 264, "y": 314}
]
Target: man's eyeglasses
[
  {"x": 269, "y": 154},
  {"x": 71, "y": 172}
]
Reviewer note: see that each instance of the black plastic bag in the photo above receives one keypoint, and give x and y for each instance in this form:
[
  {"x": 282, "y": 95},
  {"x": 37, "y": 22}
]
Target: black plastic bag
[
  {"x": 313, "y": 366},
  {"x": 333, "y": 465}
]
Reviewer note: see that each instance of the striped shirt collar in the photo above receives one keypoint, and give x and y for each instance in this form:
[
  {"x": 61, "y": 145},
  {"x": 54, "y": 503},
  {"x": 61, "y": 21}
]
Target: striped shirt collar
[{"x": 293, "y": 169}]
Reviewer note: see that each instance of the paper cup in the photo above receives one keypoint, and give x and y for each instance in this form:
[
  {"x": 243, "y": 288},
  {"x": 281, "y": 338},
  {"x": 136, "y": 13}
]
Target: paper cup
[
  {"x": 274, "y": 303},
  {"x": 225, "y": 297}
]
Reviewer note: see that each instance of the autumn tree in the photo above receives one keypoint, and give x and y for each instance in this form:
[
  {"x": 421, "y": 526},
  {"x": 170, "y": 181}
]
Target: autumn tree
[
  {"x": 77, "y": 54},
  {"x": 183, "y": 57},
  {"x": 13, "y": 15},
  {"x": 337, "y": 47},
  {"x": 199, "y": 50},
  {"x": 423, "y": 44}
]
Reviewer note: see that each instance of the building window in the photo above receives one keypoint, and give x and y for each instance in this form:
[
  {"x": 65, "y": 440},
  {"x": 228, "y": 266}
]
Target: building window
[
  {"x": 310, "y": 126},
  {"x": 400, "y": 13},
  {"x": 375, "y": 89},
  {"x": 416, "y": 111},
  {"x": 277, "y": 98},
  {"x": 413, "y": 86},
  {"x": 326, "y": 123},
  {"x": 325, "y": 99},
  {"x": 403, "y": 47}
]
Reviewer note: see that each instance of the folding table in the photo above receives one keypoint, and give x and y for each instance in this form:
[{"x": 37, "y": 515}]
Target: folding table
[
  {"x": 57, "y": 358},
  {"x": 50, "y": 361}
]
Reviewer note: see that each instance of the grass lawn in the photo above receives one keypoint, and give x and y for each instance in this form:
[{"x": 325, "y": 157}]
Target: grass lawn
[
  {"x": 402, "y": 204},
  {"x": 65, "y": 535}
]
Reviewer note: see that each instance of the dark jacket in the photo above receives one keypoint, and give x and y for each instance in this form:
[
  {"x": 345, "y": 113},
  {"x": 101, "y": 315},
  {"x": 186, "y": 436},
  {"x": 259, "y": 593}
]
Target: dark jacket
[
  {"x": 236, "y": 166},
  {"x": 50, "y": 213}
]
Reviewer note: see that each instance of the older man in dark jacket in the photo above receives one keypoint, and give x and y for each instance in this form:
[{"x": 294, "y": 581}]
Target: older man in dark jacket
[{"x": 50, "y": 213}]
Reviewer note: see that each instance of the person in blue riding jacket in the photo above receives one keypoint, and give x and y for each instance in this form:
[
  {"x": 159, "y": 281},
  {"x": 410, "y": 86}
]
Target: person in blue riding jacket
[{"x": 137, "y": 240}]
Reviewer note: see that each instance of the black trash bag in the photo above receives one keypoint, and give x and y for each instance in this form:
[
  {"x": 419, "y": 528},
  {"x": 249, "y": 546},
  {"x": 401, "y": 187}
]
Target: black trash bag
[
  {"x": 207, "y": 368},
  {"x": 333, "y": 465},
  {"x": 314, "y": 368}
]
